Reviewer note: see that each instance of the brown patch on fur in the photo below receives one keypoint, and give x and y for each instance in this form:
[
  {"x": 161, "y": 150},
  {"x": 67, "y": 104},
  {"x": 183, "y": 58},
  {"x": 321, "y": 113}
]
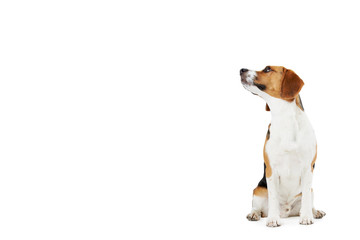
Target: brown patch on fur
[
  {"x": 272, "y": 80},
  {"x": 313, "y": 161},
  {"x": 267, "y": 107},
  {"x": 298, "y": 195},
  {"x": 260, "y": 191},
  {"x": 280, "y": 82},
  {"x": 290, "y": 85}
]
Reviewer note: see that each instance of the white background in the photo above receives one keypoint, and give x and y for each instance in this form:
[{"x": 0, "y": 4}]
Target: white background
[{"x": 127, "y": 119}]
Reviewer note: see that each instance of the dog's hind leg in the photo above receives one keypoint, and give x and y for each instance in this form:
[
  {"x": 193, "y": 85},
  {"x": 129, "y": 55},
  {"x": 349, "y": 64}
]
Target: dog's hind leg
[{"x": 259, "y": 204}]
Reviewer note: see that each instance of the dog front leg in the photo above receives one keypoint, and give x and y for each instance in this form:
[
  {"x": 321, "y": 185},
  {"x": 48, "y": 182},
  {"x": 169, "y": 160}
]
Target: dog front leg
[
  {"x": 306, "y": 214},
  {"x": 273, "y": 219}
]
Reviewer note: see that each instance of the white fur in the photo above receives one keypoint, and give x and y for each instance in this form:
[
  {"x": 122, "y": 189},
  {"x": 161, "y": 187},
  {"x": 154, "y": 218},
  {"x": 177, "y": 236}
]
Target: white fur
[{"x": 291, "y": 149}]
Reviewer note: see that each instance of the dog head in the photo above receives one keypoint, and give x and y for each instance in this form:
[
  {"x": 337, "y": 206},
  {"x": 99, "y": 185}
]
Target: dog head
[{"x": 273, "y": 81}]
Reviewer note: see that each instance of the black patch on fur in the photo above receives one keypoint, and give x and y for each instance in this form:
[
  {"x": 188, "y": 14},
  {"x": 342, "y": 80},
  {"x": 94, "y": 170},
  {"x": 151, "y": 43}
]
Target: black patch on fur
[
  {"x": 263, "y": 182},
  {"x": 301, "y": 103},
  {"x": 313, "y": 166},
  {"x": 260, "y": 86},
  {"x": 268, "y": 134}
]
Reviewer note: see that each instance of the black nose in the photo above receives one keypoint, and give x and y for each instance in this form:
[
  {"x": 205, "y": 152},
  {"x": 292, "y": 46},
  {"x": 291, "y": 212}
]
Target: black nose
[{"x": 243, "y": 70}]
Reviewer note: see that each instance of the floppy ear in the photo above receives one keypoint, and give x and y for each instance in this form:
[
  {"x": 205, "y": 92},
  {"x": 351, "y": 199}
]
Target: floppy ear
[
  {"x": 291, "y": 85},
  {"x": 267, "y": 107}
]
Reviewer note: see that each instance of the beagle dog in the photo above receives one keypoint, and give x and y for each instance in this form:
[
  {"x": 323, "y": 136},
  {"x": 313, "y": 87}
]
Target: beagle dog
[{"x": 290, "y": 149}]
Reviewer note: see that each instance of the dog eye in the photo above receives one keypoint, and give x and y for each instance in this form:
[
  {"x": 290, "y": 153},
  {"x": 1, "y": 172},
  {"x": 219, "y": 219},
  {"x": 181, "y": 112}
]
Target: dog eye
[{"x": 267, "y": 69}]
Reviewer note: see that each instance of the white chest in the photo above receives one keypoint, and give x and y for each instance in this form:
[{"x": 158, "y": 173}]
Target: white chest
[{"x": 290, "y": 148}]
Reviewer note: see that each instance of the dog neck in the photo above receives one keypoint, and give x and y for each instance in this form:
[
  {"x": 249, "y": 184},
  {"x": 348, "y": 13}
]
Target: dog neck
[
  {"x": 286, "y": 119},
  {"x": 280, "y": 108}
]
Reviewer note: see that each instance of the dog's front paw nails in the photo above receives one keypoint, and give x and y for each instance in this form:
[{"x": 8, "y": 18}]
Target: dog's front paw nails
[
  {"x": 306, "y": 220},
  {"x": 318, "y": 214},
  {"x": 273, "y": 222},
  {"x": 253, "y": 216}
]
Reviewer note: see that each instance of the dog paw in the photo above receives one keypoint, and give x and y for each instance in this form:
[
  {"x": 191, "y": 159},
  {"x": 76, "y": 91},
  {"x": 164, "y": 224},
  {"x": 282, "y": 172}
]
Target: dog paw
[
  {"x": 318, "y": 214},
  {"x": 306, "y": 220},
  {"x": 253, "y": 216},
  {"x": 273, "y": 222}
]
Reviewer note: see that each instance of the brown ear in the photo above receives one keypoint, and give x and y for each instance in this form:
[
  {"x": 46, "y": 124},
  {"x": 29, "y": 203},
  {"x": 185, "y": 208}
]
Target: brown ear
[
  {"x": 291, "y": 85},
  {"x": 267, "y": 107}
]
